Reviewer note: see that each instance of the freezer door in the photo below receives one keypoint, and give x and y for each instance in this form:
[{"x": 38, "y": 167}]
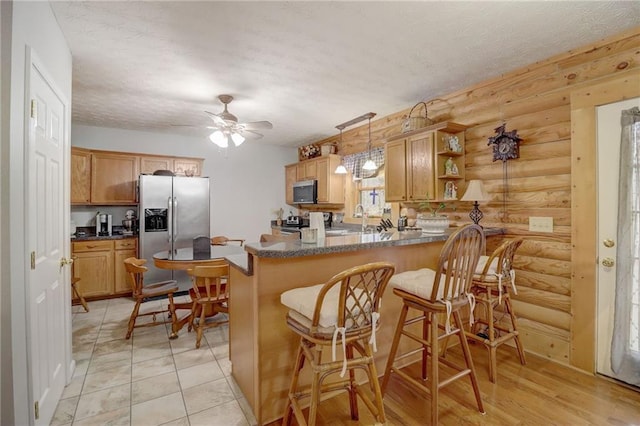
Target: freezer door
[{"x": 155, "y": 193}]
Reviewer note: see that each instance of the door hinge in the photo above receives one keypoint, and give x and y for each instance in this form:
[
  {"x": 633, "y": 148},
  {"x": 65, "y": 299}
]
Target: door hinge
[
  {"x": 34, "y": 108},
  {"x": 37, "y": 409},
  {"x": 33, "y": 260}
]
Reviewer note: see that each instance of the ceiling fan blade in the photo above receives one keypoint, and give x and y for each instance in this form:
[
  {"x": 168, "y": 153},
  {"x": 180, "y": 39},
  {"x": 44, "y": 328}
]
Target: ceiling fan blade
[
  {"x": 258, "y": 125},
  {"x": 216, "y": 119},
  {"x": 250, "y": 134}
]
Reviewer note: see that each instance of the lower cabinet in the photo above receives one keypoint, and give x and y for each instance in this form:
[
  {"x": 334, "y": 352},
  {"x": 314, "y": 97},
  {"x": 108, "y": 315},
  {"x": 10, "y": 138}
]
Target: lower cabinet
[{"x": 99, "y": 266}]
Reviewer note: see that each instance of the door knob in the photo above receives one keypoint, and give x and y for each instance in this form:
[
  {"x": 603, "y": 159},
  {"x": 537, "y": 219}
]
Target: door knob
[
  {"x": 608, "y": 242},
  {"x": 608, "y": 262},
  {"x": 65, "y": 261}
]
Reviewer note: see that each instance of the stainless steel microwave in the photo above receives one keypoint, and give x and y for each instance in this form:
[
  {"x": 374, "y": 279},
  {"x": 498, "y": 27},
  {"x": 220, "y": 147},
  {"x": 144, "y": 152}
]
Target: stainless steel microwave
[{"x": 305, "y": 192}]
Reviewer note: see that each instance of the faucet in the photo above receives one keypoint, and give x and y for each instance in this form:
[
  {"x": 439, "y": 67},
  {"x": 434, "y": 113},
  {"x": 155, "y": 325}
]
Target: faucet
[{"x": 364, "y": 216}]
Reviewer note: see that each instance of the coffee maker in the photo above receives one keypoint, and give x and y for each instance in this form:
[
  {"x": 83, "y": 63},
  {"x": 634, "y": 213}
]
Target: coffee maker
[{"x": 104, "y": 225}]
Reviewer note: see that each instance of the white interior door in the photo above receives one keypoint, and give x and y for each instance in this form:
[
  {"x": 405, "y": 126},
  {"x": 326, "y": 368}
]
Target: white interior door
[
  {"x": 45, "y": 208},
  {"x": 608, "y": 148}
]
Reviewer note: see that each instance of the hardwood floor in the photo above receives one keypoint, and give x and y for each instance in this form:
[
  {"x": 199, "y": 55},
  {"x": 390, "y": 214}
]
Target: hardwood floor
[{"x": 539, "y": 393}]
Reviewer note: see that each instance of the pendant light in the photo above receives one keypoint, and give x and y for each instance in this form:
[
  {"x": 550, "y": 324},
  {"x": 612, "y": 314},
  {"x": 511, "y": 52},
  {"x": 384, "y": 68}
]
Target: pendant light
[
  {"x": 369, "y": 165},
  {"x": 341, "y": 169}
]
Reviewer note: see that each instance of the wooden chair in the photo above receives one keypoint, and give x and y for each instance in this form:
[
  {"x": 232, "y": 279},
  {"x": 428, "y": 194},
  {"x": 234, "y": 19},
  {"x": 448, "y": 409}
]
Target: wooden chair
[
  {"x": 492, "y": 283},
  {"x": 221, "y": 240},
  {"x": 210, "y": 296},
  {"x": 135, "y": 270},
  {"x": 342, "y": 312},
  {"x": 74, "y": 287},
  {"x": 434, "y": 294},
  {"x": 270, "y": 238}
]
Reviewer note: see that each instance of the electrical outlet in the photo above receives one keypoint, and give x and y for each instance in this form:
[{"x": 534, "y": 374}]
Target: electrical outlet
[{"x": 540, "y": 224}]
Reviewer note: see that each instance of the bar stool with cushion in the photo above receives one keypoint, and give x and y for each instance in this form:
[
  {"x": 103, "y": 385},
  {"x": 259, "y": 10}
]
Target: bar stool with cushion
[
  {"x": 221, "y": 240},
  {"x": 271, "y": 238},
  {"x": 437, "y": 293},
  {"x": 210, "y": 297},
  {"x": 135, "y": 270},
  {"x": 492, "y": 283},
  {"x": 76, "y": 291},
  {"x": 343, "y": 312}
]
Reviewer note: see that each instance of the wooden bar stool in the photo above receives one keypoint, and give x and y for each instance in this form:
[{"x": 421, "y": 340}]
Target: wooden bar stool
[
  {"x": 221, "y": 240},
  {"x": 492, "y": 283},
  {"x": 75, "y": 289},
  {"x": 210, "y": 296},
  {"x": 436, "y": 293},
  {"x": 344, "y": 312}
]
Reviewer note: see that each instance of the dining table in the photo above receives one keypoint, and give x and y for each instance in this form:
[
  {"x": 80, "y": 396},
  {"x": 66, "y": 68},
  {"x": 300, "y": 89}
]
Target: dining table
[{"x": 183, "y": 259}]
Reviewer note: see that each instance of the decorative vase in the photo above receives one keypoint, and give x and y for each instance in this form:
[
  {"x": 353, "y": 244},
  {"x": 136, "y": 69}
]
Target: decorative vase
[{"x": 433, "y": 224}]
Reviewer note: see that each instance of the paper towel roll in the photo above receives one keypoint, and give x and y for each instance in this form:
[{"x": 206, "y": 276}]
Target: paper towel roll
[{"x": 316, "y": 220}]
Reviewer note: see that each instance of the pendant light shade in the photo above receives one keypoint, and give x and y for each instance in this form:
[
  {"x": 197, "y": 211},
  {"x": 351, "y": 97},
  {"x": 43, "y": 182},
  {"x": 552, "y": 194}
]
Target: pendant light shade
[
  {"x": 341, "y": 169},
  {"x": 369, "y": 165}
]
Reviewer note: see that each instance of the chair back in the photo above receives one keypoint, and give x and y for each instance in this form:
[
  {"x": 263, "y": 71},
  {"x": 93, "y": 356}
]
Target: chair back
[
  {"x": 135, "y": 269},
  {"x": 357, "y": 291},
  {"x": 221, "y": 240},
  {"x": 457, "y": 263},
  {"x": 208, "y": 283},
  {"x": 268, "y": 238},
  {"x": 502, "y": 257}
]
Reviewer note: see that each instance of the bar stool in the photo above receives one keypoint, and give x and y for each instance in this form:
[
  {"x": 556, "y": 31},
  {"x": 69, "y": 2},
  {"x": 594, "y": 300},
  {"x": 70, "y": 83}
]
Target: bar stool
[
  {"x": 435, "y": 293},
  {"x": 342, "y": 312},
  {"x": 493, "y": 281}
]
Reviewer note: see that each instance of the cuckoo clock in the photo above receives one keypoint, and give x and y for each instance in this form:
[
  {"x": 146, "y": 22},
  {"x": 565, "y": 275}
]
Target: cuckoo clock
[{"x": 505, "y": 144}]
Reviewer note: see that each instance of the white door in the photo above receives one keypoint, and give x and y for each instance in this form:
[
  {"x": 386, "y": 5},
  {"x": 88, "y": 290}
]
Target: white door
[
  {"x": 608, "y": 148},
  {"x": 45, "y": 208}
]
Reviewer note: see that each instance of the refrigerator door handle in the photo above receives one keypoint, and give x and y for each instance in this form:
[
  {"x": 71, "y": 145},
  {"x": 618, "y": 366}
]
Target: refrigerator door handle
[
  {"x": 175, "y": 218},
  {"x": 169, "y": 219}
]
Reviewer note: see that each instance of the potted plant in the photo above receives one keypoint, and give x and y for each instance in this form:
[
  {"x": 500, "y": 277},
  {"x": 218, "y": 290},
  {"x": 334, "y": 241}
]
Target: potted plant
[{"x": 432, "y": 222}]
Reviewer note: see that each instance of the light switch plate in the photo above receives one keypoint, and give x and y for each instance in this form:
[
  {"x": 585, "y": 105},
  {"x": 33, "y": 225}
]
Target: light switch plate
[{"x": 540, "y": 224}]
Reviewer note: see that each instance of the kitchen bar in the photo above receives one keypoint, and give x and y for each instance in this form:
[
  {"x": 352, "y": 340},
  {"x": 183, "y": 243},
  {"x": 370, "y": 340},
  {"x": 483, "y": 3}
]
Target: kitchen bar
[{"x": 261, "y": 347}]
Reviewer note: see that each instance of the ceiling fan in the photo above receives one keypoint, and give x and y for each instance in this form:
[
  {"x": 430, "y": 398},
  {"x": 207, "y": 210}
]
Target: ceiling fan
[{"x": 227, "y": 127}]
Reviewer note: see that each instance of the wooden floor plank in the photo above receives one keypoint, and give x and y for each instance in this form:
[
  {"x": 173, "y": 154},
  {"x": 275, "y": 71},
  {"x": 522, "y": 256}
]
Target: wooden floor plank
[{"x": 540, "y": 393}]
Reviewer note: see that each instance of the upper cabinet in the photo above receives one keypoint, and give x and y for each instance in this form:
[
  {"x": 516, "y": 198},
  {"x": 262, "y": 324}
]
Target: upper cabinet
[
  {"x": 425, "y": 164},
  {"x": 330, "y": 185},
  {"x": 111, "y": 178},
  {"x": 114, "y": 178},
  {"x": 80, "y": 176}
]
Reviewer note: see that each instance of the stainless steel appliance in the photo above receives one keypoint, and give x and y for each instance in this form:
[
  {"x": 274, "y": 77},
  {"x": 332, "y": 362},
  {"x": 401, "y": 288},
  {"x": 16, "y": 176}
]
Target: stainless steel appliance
[
  {"x": 305, "y": 192},
  {"x": 173, "y": 211},
  {"x": 104, "y": 224}
]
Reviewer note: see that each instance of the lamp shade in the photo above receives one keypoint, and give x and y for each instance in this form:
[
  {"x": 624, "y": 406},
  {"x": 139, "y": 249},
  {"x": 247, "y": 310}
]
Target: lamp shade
[
  {"x": 237, "y": 138},
  {"x": 219, "y": 139},
  {"x": 341, "y": 170},
  {"x": 369, "y": 165},
  {"x": 475, "y": 192}
]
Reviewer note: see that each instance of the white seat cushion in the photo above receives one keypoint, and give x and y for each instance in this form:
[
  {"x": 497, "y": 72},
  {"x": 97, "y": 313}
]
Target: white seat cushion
[
  {"x": 419, "y": 283},
  {"x": 491, "y": 272},
  {"x": 303, "y": 300}
]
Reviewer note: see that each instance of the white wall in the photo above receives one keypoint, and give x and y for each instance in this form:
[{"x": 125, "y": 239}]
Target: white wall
[
  {"x": 32, "y": 24},
  {"x": 247, "y": 182}
]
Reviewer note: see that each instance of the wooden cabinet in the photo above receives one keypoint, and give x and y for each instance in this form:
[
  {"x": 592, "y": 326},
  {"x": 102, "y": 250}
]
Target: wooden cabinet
[
  {"x": 80, "y": 176},
  {"x": 93, "y": 264},
  {"x": 330, "y": 185},
  {"x": 111, "y": 178},
  {"x": 416, "y": 164},
  {"x": 100, "y": 268},
  {"x": 114, "y": 178},
  {"x": 179, "y": 165}
]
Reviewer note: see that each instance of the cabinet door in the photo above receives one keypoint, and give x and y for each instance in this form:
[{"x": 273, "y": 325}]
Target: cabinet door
[
  {"x": 307, "y": 170},
  {"x": 420, "y": 168},
  {"x": 148, "y": 165},
  {"x": 322, "y": 175},
  {"x": 80, "y": 176},
  {"x": 95, "y": 270},
  {"x": 114, "y": 178},
  {"x": 187, "y": 166},
  {"x": 395, "y": 171},
  {"x": 121, "y": 281},
  {"x": 290, "y": 177}
]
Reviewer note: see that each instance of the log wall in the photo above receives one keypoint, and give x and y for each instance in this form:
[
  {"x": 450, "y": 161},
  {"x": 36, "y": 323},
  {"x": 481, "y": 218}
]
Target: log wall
[{"x": 535, "y": 100}]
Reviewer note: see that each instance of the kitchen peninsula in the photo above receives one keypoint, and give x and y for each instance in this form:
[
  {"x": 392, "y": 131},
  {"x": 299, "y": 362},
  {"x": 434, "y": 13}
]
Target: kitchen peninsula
[{"x": 261, "y": 346}]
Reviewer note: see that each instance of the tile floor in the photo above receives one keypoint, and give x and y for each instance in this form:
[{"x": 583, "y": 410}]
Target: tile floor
[{"x": 148, "y": 380}]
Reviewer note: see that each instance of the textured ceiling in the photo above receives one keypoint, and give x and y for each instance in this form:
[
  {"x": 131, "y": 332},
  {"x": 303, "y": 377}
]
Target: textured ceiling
[{"x": 305, "y": 66}]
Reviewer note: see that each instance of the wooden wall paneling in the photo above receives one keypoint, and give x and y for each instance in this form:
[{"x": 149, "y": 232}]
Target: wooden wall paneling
[{"x": 583, "y": 209}]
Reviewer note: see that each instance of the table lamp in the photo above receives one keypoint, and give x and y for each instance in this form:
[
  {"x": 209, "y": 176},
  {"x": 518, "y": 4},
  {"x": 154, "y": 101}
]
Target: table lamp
[{"x": 475, "y": 192}]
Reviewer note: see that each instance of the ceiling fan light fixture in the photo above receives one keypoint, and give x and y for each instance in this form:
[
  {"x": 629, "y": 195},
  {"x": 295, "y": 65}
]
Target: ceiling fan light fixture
[
  {"x": 219, "y": 139},
  {"x": 237, "y": 138}
]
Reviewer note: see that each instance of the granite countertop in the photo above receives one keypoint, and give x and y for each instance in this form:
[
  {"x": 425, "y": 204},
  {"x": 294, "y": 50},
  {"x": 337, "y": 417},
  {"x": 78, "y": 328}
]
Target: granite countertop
[
  {"x": 93, "y": 237},
  {"x": 348, "y": 242}
]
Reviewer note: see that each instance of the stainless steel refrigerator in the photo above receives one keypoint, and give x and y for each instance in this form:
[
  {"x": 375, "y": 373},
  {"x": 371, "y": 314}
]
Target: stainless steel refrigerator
[{"x": 173, "y": 211}]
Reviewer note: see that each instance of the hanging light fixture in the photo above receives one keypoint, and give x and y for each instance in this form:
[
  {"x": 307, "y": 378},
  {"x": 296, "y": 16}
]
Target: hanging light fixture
[
  {"x": 369, "y": 165},
  {"x": 341, "y": 169},
  {"x": 221, "y": 138}
]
